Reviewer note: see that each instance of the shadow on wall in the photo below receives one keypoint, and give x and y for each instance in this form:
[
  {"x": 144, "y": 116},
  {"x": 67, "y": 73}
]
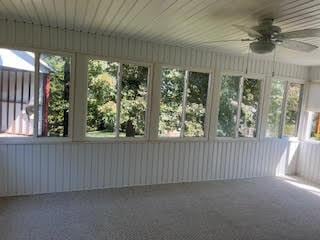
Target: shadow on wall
[{"x": 289, "y": 158}]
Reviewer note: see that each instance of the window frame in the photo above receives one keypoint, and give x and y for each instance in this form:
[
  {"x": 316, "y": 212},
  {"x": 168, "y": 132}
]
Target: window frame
[
  {"x": 208, "y": 105},
  {"x": 287, "y": 82},
  {"x": 260, "y": 77},
  {"x": 35, "y": 138},
  {"x": 86, "y": 138}
]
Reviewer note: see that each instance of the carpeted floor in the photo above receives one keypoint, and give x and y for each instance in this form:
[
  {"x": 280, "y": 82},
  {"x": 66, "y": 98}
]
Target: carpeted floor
[{"x": 260, "y": 208}]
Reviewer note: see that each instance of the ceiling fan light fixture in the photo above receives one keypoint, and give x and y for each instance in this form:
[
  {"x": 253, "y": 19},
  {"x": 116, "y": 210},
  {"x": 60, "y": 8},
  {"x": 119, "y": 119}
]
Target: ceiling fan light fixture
[{"x": 262, "y": 47}]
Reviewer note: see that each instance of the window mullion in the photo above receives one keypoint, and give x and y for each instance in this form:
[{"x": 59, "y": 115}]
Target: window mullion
[
  {"x": 36, "y": 95},
  {"x": 119, "y": 83},
  {"x": 299, "y": 110},
  {"x": 184, "y": 102},
  {"x": 283, "y": 110},
  {"x": 239, "y": 108}
]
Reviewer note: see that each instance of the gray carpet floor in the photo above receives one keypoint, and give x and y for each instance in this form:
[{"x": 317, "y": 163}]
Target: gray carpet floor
[{"x": 260, "y": 208}]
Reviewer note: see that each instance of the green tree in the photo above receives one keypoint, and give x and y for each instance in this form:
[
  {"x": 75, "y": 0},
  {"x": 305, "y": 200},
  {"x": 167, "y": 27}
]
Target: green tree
[
  {"x": 58, "y": 102},
  {"x": 229, "y": 95}
]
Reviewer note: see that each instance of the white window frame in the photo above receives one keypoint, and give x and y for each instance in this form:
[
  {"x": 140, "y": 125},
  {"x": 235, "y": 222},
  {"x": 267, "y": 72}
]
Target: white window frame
[
  {"x": 83, "y": 136},
  {"x": 35, "y": 138},
  {"x": 287, "y": 82},
  {"x": 242, "y": 76},
  {"x": 186, "y": 69}
]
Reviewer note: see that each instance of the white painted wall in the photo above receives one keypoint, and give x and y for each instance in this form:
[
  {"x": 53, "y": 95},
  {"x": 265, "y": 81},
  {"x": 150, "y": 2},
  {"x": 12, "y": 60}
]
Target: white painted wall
[
  {"x": 308, "y": 162},
  {"x": 41, "y": 168},
  {"x": 52, "y": 166},
  {"x": 308, "y": 165}
]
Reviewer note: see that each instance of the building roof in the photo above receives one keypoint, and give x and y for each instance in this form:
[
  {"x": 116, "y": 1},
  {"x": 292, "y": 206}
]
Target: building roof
[{"x": 21, "y": 60}]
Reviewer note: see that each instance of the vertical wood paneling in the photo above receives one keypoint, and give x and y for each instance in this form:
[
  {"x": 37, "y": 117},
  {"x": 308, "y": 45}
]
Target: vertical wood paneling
[
  {"x": 60, "y": 167},
  {"x": 308, "y": 164},
  {"x": 31, "y": 35}
]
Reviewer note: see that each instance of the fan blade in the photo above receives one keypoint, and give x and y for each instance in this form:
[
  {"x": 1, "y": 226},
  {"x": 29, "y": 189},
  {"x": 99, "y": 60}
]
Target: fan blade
[
  {"x": 251, "y": 32},
  {"x": 300, "y": 33},
  {"x": 231, "y": 40},
  {"x": 298, "y": 46}
]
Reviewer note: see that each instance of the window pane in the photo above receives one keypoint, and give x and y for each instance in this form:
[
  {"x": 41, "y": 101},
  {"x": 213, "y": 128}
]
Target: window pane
[
  {"x": 171, "y": 102},
  {"x": 133, "y": 100},
  {"x": 101, "y": 98},
  {"x": 229, "y": 95},
  {"x": 196, "y": 104},
  {"x": 275, "y": 108},
  {"x": 16, "y": 93},
  {"x": 292, "y": 110},
  {"x": 315, "y": 132},
  {"x": 249, "y": 108},
  {"x": 54, "y": 85}
]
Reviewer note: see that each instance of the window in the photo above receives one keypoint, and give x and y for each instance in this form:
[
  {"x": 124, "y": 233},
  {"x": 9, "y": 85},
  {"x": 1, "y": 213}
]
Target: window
[
  {"x": 284, "y": 109},
  {"x": 18, "y": 102},
  {"x": 275, "y": 109},
  {"x": 183, "y": 103},
  {"x": 117, "y": 99},
  {"x": 54, "y": 88},
  {"x": 294, "y": 96},
  {"x": 239, "y": 106},
  {"x": 249, "y": 108},
  {"x": 315, "y": 130},
  {"x": 17, "y": 93}
]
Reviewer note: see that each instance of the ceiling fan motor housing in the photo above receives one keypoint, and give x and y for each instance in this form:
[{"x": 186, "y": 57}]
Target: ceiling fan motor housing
[
  {"x": 262, "y": 47},
  {"x": 265, "y": 43}
]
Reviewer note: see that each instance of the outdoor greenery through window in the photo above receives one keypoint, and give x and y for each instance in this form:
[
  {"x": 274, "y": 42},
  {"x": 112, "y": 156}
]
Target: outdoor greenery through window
[
  {"x": 117, "y": 99},
  {"x": 183, "y": 103},
  {"x": 239, "y": 106},
  {"x": 315, "y": 130},
  {"x": 294, "y": 97},
  {"x": 284, "y": 109},
  {"x": 229, "y": 102},
  {"x": 275, "y": 109},
  {"x": 249, "y": 108},
  {"x": 54, "y": 88}
]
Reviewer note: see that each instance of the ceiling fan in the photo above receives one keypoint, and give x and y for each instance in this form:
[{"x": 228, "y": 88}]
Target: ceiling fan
[{"x": 265, "y": 36}]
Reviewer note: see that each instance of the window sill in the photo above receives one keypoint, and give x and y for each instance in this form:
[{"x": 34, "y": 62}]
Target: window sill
[
  {"x": 240, "y": 139},
  {"x": 110, "y": 140},
  {"x": 311, "y": 141},
  {"x": 33, "y": 140},
  {"x": 289, "y": 139},
  {"x": 178, "y": 139}
]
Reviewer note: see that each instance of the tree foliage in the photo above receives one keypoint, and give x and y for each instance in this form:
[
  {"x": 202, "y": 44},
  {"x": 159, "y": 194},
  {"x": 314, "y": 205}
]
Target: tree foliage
[
  {"x": 58, "y": 102},
  {"x": 229, "y": 96},
  {"x": 102, "y": 110},
  {"x": 229, "y": 105},
  {"x": 103, "y": 86}
]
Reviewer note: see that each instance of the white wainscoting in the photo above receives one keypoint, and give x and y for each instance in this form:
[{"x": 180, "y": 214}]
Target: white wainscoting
[
  {"x": 308, "y": 165},
  {"x": 43, "y": 168}
]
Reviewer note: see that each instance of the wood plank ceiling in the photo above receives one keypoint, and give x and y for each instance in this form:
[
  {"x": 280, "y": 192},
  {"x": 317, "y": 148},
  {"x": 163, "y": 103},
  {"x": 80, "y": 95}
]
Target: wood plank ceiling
[{"x": 189, "y": 23}]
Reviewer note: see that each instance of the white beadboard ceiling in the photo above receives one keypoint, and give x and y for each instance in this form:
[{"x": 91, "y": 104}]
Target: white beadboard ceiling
[{"x": 188, "y": 23}]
